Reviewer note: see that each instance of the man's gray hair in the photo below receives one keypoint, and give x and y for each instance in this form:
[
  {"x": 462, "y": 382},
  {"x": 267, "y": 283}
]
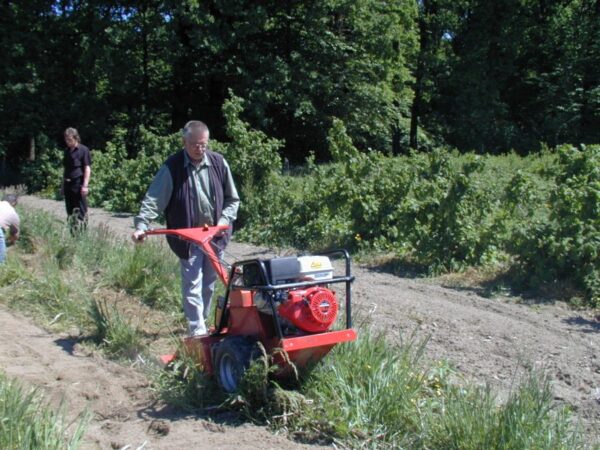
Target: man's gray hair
[
  {"x": 11, "y": 198},
  {"x": 73, "y": 133},
  {"x": 194, "y": 127}
]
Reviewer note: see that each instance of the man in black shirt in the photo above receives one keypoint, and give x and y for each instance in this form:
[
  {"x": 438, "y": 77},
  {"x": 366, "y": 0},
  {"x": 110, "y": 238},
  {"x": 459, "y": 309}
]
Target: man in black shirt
[{"x": 77, "y": 163}]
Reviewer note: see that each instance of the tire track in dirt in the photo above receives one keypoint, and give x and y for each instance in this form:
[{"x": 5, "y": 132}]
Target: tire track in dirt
[{"x": 488, "y": 340}]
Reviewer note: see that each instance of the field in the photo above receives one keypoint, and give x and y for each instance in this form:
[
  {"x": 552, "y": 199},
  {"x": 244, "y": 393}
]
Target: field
[{"x": 484, "y": 341}]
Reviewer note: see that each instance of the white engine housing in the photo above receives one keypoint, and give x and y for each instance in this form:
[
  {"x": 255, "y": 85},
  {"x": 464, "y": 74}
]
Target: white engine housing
[{"x": 307, "y": 268}]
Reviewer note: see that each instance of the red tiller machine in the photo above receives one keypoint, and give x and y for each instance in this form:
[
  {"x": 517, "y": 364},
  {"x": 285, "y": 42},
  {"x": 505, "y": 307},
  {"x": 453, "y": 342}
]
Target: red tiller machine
[{"x": 284, "y": 303}]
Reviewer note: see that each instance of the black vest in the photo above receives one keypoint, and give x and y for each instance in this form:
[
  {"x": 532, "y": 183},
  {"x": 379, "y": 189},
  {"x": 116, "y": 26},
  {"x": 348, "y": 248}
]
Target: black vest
[{"x": 180, "y": 210}]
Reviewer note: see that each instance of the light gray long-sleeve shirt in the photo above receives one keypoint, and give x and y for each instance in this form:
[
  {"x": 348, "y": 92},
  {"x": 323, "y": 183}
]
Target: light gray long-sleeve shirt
[{"x": 159, "y": 193}]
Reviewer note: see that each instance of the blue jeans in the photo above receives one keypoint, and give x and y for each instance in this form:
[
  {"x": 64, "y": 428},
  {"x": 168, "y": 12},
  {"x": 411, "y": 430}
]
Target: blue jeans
[
  {"x": 198, "y": 279},
  {"x": 2, "y": 246}
]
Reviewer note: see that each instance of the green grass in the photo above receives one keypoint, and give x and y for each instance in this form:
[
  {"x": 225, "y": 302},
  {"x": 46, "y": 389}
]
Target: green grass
[
  {"x": 27, "y": 423},
  {"x": 144, "y": 271},
  {"x": 375, "y": 395},
  {"x": 372, "y": 394},
  {"x": 114, "y": 332},
  {"x": 185, "y": 385}
]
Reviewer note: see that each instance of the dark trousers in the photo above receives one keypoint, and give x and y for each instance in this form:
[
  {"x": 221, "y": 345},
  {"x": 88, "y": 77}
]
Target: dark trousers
[{"x": 75, "y": 201}]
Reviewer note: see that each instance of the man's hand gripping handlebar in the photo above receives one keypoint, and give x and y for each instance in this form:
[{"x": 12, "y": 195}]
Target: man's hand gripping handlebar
[{"x": 138, "y": 236}]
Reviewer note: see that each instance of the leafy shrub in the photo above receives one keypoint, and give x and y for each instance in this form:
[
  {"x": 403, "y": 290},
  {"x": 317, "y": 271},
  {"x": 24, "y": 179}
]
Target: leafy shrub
[
  {"x": 252, "y": 155},
  {"x": 119, "y": 182},
  {"x": 440, "y": 210},
  {"x": 434, "y": 208},
  {"x": 45, "y": 174},
  {"x": 566, "y": 247}
]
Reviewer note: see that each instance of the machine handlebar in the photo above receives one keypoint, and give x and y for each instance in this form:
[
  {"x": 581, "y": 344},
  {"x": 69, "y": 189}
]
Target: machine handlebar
[{"x": 201, "y": 236}]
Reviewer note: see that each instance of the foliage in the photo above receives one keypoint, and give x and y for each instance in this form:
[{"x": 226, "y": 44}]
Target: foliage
[
  {"x": 566, "y": 247},
  {"x": 480, "y": 76},
  {"x": 45, "y": 174},
  {"x": 145, "y": 272},
  {"x": 442, "y": 211},
  {"x": 185, "y": 384},
  {"x": 438, "y": 209},
  {"x": 120, "y": 182},
  {"x": 471, "y": 419},
  {"x": 251, "y": 154},
  {"x": 368, "y": 393},
  {"x": 69, "y": 273},
  {"x": 27, "y": 422}
]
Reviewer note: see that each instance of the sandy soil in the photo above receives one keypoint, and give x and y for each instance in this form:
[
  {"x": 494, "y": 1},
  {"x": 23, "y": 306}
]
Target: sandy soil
[{"x": 488, "y": 340}]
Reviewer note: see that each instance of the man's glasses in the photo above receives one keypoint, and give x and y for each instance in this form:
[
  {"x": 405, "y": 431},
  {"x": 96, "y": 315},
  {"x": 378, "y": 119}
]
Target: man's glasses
[{"x": 198, "y": 145}]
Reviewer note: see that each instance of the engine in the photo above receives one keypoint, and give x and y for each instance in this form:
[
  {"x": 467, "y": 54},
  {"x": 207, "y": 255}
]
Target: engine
[{"x": 314, "y": 309}]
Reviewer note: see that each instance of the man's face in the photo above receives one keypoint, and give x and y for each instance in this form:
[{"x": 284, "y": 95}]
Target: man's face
[
  {"x": 195, "y": 145},
  {"x": 70, "y": 141}
]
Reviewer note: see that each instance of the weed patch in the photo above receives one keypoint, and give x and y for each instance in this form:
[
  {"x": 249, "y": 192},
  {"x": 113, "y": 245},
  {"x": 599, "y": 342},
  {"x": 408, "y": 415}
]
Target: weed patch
[
  {"x": 371, "y": 394},
  {"x": 115, "y": 333},
  {"x": 27, "y": 423}
]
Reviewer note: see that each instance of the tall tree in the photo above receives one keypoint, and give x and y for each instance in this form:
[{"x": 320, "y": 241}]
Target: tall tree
[
  {"x": 299, "y": 64},
  {"x": 438, "y": 23}
]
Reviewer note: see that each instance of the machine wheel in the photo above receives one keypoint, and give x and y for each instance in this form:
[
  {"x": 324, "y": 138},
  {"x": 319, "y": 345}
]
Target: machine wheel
[{"x": 232, "y": 357}]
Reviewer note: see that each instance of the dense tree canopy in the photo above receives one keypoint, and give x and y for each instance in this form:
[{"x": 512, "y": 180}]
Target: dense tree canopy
[{"x": 488, "y": 76}]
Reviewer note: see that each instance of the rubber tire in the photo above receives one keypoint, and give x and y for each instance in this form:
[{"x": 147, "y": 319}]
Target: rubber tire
[{"x": 232, "y": 358}]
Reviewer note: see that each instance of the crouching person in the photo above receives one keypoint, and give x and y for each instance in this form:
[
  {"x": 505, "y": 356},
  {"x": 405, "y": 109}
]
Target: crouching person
[{"x": 9, "y": 224}]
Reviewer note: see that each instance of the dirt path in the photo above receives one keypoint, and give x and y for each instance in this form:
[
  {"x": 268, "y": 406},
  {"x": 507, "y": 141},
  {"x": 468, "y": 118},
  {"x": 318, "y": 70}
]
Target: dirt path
[
  {"x": 487, "y": 340},
  {"x": 123, "y": 412}
]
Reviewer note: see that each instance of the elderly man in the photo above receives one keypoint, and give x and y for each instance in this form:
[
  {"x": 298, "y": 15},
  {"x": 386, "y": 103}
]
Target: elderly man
[
  {"x": 9, "y": 223},
  {"x": 194, "y": 187}
]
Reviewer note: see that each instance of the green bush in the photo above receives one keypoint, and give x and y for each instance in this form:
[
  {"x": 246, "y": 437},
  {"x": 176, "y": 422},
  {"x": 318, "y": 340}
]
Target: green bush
[
  {"x": 252, "y": 155},
  {"x": 120, "y": 182},
  {"x": 45, "y": 174},
  {"x": 438, "y": 211},
  {"x": 566, "y": 247}
]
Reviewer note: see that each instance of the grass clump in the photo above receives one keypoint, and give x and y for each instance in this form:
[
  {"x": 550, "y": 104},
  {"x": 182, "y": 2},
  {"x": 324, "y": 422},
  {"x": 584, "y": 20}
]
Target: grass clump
[
  {"x": 114, "y": 332},
  {"x": 472, "y": 419},
  {"x": 145, "y": 272},
  {"x": 27, "y": 423},
  {"x": 185, "y": 384}
]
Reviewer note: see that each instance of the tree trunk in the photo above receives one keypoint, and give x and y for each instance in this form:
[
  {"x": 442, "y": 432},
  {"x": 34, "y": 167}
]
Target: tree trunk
[
  {"x": 31, "y": 153},
  {"x": 420, "y": 75}
]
